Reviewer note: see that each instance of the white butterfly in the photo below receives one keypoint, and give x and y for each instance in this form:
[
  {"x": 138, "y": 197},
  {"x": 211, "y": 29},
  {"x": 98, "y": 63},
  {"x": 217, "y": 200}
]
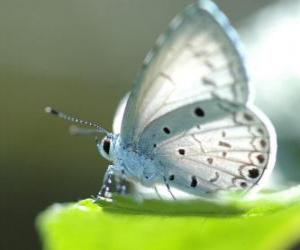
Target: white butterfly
[{"x": 188, "y": 128}]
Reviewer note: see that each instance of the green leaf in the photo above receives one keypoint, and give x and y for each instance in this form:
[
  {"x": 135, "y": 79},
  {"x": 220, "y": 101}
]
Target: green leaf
[{"x": 270, "y": 221}]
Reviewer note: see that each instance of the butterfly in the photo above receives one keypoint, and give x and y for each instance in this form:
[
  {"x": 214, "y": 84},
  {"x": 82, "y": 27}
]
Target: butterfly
[{"x": 188, "y": 128}]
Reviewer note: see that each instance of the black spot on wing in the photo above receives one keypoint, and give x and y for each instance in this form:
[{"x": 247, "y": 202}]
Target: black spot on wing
[
  {"x": 248, "y": 117},
  {"x": 181, "y": 151},
  {"x": 260, "y": 130},
  {"x": 243, "y": 184},
  {"x": 260, "y": 158},
  {"x": 253, "y": 173},
  {"x": 166, "y": 130},
  {"x": 172, "y": 177},
  {"x": 199, "y": 112},
  {"x": 210, "y": 160},
  {"x": 207, "y": 81},
  {"x": 194, "y": 181},
  {"x": 263, "y": 143},
  {"x": 224, "y": 144}
]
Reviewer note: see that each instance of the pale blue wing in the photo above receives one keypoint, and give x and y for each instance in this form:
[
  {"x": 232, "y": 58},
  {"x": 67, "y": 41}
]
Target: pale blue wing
[
  {"x": 234, "y": 152},
  {"x": 198, "y": 58},
  {"x": 118, "y": 117},
  {"x": 182, "y": 119}
]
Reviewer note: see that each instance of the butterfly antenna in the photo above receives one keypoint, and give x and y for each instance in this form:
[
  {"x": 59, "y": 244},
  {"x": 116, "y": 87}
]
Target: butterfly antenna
[
  {"x": 72, "y": 119},
  {"x": 168, "y": 188}
]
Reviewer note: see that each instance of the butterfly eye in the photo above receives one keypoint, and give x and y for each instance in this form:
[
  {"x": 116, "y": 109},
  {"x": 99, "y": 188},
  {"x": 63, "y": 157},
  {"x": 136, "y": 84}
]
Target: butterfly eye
[{"x": 106, "y": 146}]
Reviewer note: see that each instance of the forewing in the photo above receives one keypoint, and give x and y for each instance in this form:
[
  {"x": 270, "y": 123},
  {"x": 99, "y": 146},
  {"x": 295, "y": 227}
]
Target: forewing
[
  {"x": 117, "y": 123},
  {"x": 196, "y": 59},
  {"x": 235, "y": 152}
]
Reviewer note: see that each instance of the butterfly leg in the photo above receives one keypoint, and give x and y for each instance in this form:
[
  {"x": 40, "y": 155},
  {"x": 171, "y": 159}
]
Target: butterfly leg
[{"x": 112, "y": 183}]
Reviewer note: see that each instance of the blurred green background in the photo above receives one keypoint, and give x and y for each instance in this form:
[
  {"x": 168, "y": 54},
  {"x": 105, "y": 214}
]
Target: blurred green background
[{"x": 81, "y": 57}]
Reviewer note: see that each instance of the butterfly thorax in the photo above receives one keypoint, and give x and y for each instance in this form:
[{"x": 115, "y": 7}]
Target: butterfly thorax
[{"x": 136, "y": 166}]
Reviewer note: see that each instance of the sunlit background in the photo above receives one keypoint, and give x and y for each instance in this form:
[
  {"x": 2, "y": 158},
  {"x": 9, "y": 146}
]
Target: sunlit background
[{"x": 81, "y": 57}]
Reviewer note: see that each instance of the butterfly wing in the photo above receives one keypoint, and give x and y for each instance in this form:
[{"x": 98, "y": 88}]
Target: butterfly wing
[
  {"x": 198, "y": 58},
  {"x": 189, "y": 111},
  {"x": 234, "y": 152},
  {"x": 118, "y": 117}
]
